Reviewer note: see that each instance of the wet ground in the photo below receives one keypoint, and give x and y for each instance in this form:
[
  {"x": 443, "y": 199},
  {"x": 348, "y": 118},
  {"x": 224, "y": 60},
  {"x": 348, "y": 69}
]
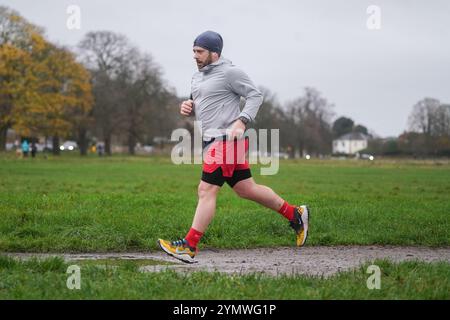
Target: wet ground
[{"x": 317, "y": 260}]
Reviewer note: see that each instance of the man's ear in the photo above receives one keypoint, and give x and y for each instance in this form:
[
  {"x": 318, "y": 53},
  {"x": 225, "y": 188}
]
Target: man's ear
[{"x": 216, "y": 55}]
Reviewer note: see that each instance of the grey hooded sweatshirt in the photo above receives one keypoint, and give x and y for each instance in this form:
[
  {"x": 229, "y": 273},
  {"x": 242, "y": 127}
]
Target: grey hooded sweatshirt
[{"x": 216, "y": 90}]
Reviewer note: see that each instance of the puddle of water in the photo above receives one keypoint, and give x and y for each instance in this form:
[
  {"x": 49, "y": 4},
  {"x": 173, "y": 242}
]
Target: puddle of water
[{"x": 122, "y": 261}]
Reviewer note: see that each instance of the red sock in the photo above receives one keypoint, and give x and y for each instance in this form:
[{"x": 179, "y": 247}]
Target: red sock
[
  {"x": 287, "y": 211},
  {"x": 193, "y": 237}
]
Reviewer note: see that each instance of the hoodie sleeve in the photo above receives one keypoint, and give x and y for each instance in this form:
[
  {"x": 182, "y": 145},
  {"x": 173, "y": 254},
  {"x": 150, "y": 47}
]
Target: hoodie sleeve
[{"x": 239, "y": 82}]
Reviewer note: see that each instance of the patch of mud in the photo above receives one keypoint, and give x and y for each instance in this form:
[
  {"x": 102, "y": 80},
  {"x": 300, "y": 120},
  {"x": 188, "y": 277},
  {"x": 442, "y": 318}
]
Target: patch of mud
[{"x": 314, "y": 261}]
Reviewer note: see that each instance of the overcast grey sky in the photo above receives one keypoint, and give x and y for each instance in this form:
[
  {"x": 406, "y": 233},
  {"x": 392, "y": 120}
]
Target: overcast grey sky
[{"x": 372, "y": 76}]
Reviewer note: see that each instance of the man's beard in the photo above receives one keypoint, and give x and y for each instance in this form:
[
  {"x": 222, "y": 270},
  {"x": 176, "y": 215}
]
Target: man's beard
[{"x": 207, "y": 62}]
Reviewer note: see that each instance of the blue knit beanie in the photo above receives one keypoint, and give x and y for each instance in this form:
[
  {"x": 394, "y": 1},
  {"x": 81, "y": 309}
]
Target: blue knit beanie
[{"x": 210, "y": 40}]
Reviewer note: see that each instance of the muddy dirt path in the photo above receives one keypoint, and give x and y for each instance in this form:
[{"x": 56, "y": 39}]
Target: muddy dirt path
[{"x": 318, "y": 260}]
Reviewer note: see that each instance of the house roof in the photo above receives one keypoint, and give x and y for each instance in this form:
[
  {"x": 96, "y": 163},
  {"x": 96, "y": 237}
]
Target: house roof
[{"x": 354, "y": 136}]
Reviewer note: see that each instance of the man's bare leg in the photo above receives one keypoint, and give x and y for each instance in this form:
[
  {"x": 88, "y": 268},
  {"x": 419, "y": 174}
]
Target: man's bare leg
[
  {"x": 185, "y": 249},
  {"x": 248, "y": 189},
  {"x": 206, "y": 207},
  {"x": 298, "y": 216}
]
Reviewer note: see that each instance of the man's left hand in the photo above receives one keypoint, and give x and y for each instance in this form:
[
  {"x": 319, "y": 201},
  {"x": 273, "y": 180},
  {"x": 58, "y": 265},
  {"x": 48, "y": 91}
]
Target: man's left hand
[{"x": 236, "y": 130}]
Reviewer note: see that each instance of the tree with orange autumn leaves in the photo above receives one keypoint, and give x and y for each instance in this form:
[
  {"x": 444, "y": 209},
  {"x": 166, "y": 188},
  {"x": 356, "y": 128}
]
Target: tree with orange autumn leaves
[{"x": 43, "y": 89}]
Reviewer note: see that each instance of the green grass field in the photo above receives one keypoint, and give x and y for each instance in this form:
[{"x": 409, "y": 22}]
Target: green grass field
[
  {"x": 124, "y": 203},
  {"x": 73, "y": 204}
]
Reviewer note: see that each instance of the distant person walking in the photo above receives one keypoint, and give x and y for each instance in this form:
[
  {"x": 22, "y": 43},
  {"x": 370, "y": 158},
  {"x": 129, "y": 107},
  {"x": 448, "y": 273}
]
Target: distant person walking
[
  {"x": 100, "y": 149},
  {"x": 33, "y": 149},
  {"x": 25, "y": 148},
  {"x": 216, "y": 89}
]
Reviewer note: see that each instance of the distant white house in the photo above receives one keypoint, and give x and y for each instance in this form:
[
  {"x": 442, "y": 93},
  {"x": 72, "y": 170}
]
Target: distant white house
[{"x": 350, "y": 143}]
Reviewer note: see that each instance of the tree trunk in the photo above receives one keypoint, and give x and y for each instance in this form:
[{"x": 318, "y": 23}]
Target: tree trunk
[
  {"x": 301, "y": 149},
  {"x": 56, "y": 150},
  {"x": 3, "y": 135},
  {"x": 131, "y": 144},
  {"x": 82, "y": 141},
  {"x": 108, "y": 145}
]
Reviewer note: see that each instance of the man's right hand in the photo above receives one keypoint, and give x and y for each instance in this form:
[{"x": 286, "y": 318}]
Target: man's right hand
[{"x": 186, "y": 107}]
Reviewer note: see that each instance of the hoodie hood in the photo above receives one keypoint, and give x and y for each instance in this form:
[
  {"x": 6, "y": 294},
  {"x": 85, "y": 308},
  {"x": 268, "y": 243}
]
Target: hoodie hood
[{"x": 221, "y": 61}]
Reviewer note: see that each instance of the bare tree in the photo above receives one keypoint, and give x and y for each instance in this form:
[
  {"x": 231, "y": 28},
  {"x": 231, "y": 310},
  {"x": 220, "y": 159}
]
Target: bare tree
[
  {"x": 143, "y": 98},
  {"x": 442, "y": 121},
  {"x": 430, "y": 120},
  {"x": 309, "y": 120},
  {"x": 270, "y": 116},
  {"x": 131, "y": 98},
  {"x": 423, "y": 116},
  {"x": 105, "y": 53},
  {"x": 267, "y": 114}
]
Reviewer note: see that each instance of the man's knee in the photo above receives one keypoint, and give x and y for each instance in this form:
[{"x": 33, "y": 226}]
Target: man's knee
[
  {"x": 245, "y": 190},
  {"x": 207, "y": 189}
]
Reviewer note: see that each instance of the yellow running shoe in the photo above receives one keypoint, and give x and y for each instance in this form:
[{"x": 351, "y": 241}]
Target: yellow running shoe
[
  {"x": 300, "y": 224},
  {"x": 179, "y": 249}
]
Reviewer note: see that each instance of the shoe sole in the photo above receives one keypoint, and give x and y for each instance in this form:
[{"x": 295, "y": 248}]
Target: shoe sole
[
  {"x": 181, "y": 258},
  {"x": 305, "y": 225}
]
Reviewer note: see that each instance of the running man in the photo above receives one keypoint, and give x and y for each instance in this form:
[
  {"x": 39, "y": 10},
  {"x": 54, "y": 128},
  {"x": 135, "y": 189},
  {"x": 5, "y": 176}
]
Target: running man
[{"x": 216, "y": 91}]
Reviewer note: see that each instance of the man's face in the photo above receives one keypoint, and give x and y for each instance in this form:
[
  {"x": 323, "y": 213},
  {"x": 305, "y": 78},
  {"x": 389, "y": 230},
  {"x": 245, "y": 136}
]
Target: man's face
[{"x": 203, "y": 57}]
